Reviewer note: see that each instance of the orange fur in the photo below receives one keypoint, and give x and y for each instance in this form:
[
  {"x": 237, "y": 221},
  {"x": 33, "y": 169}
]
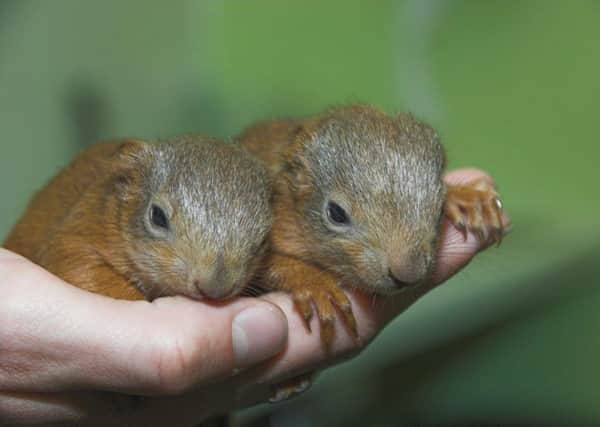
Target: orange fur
[
  {"x": 296, "y": 263},
  {"x": 474, "y": 206},
  {"x": 70, "y": 256}
]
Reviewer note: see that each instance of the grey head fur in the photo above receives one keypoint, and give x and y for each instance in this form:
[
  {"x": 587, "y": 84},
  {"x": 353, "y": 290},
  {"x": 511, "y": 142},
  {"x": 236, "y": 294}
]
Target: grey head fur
[
  {"x": 216, "y": 200},
  {"x": 386, "y": 173}
]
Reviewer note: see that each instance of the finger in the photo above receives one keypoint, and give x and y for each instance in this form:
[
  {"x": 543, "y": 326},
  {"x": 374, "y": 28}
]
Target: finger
[
  {"x": 454, "y": 251},
  {"x": 305, "y": 350},
  {"x": 57, "y": 337},
  {"x": 465, "y": 175},
  {"x": 55, "y": 408},
  {"x": 249, "y": 387}
]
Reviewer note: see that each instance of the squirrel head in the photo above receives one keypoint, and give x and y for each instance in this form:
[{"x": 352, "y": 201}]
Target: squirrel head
[
  {"x": 368, "y": 189},
  {"x": 194, "y": 213}
]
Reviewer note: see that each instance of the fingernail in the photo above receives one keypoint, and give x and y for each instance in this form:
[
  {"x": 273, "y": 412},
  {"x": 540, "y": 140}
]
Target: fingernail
[{"x": 258, "y": 333}]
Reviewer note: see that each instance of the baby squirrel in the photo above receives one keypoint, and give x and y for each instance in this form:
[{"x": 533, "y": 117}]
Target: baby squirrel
[
  {"x": 358, "y": 201},
  {"x": 138, "y": 220}
]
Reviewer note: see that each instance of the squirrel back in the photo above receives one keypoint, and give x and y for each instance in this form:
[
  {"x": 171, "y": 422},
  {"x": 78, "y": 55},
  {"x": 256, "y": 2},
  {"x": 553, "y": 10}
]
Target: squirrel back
[
  {"x": 268, "y": 140},
  {"x": 50, "y": 205}
]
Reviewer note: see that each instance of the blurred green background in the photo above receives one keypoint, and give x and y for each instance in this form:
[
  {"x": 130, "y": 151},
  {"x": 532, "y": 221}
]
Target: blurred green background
[{"x": 512, "y": 87}]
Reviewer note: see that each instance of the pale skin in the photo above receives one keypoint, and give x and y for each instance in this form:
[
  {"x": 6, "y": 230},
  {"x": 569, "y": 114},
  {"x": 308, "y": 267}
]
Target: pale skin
[{"x": 63, "y": 351}]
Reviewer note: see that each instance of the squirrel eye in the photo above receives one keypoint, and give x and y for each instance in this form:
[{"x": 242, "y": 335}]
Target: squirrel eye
[
  {"x": 158, "y": 217},
  {"x": 337, "y": 214}
]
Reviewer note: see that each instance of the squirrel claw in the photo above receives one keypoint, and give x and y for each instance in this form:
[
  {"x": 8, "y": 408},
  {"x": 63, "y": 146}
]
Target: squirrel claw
[
  {"x": 462, "y": 228},
  {"x": 292, "y": 387},
  {"x": 476, "y": 207},
  {"x": 303, "y": 302},
  {"x": 325, "y": 297},
  {"x": 349, "y": 319},
  {"x": 327, "y": 330}
]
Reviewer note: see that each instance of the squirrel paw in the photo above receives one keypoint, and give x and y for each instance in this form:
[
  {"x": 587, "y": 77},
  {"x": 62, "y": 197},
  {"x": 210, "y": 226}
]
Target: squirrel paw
[
  {"x": 292, "y": 387},
  {"x": 476, "y": 206},
  {"x": 325, "y": 295}
]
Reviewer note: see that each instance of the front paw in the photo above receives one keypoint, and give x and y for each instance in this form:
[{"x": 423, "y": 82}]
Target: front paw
[
  {"x": 476, "y": 207},
  {"x": 324, "y": 297}
]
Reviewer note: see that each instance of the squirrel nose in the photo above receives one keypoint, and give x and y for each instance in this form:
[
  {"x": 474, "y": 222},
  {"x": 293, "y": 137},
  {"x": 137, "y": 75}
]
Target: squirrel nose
[
  {"x": 198, "y": 286},
  {"x": 211, "y": 289},
  {"x": 216, "y": 286},
  {"x": 404, "y": 271},
  {"x": 210, "y": 279}
]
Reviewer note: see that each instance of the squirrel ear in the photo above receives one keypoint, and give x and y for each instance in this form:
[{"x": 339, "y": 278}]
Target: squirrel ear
[
  {"x": 296, "y": 165},
  {"x": 128, "y": 160},
  {"x": 405, "y": 116},
  {"x": 131, "y": 151}
]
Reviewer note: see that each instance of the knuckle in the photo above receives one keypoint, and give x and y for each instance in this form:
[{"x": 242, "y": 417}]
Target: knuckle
[
  {"x": 361, "y": 344},
  {"x": 359, "y": 347},
  {"x": 171, "y": 366},
  {"x": 12, "y": 266}
]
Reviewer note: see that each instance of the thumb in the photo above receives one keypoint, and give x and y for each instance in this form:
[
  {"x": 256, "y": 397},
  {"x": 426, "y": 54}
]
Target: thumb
[{"x": 56, "y": 337}]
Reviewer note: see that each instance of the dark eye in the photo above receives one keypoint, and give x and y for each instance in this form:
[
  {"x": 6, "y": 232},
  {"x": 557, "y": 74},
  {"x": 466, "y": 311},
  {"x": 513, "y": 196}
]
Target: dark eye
[
  {"x": 158, "y": 217},
  {"x": 337, "y": 214}
]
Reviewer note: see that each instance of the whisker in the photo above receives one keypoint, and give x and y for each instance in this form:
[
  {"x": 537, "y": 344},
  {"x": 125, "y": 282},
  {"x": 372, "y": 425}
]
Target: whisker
[
  {"x": 253, "y": 289},
  {"x": 373, "y": 300}
]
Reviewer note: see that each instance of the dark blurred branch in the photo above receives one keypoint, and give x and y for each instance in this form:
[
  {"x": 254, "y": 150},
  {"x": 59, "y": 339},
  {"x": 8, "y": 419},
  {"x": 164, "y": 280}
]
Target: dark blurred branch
[{"x": 87, "y": 112}]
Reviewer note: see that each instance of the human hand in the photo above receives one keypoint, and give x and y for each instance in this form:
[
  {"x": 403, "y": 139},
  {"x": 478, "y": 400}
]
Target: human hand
[{"x": 64, "y": 352}]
